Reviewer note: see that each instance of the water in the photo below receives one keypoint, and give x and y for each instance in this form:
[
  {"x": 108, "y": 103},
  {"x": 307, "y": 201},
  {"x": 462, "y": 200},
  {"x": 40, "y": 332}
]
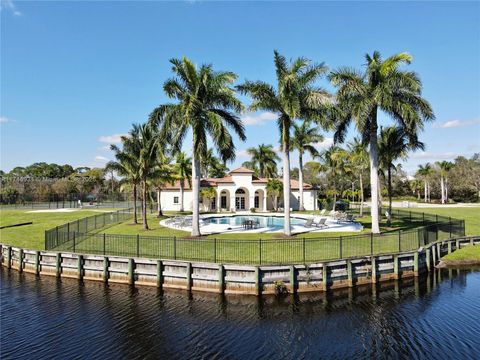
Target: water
[
  {"x": 264, "y": 221},
  {"x": 436, "y": 317}
]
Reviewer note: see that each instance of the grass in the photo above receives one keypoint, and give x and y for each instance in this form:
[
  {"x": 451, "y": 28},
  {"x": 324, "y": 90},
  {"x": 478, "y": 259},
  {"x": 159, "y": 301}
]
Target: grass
[
  {"x": 469, "y": 253},
  {"x": 241, "y": 248},
  {"x": 33, "y": 236},
  {"x": 471, "y": 215}
]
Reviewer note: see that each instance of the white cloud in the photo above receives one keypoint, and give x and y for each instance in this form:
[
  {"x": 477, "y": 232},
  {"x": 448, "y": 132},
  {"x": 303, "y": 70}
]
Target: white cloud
[
  {"x": 100, "y": 158},
  {"x": 455, "y": 124},
  {"x": 111, "y": 139},
  {"x": 259, "y": 119},
  {"x": 242, "y": 153},
  {"x": 326, "y": 143},
  {"x": 4, "y": 119},
  {"x": 426, "y": 155},
  {"x": 9, "y": 5}
]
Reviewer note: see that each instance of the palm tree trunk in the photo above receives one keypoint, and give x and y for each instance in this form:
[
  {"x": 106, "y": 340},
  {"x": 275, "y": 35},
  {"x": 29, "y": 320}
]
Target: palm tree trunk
[
  {"x": 300, "y": 179},
  {"x": 195, "y": 192},
  {"x": 389, "y": 175},
  {"x": 159, "y": 205},
  {"x": 286, "y": 188},
  {"x": 182, "y": 191},
  {"x": 442, "y": 189},
  {"x": 374, "y": 183},
  {"x": 446, "y": 191},
  {"x": 361, "y": 195},
  {"x": 425, "y": 191},
  {"x": 135, "y": 221},
  {"x": 144, "y": 204}
]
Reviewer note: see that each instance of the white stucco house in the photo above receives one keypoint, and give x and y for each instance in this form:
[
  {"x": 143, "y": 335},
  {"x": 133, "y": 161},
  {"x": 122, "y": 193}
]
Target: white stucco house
[{"x": 240, "y": 190}]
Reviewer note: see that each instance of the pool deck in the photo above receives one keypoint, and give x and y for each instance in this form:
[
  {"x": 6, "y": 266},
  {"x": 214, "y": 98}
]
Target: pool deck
[{"x": 208, "y": 229}]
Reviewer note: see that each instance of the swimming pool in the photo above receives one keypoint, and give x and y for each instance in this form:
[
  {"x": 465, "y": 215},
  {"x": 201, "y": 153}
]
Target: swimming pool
[{"x": 263, "y": 221}]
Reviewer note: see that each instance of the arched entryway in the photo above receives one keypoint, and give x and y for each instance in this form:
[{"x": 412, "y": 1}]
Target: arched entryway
[
  {"x": 224, "y": 201},
  {"x": 241, "y": 199},
  {"x": 259, "y": 200}
]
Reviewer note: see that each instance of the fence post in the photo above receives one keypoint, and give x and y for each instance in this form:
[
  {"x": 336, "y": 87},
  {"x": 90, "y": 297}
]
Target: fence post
[
  {"x": 104, "y": 244},
  {"x": 215, "y": 250},
  {"x": 399, "y": 240},
  {"x": 20, "y": 260},
  {"x": 260, "y": 251},
  {"x": 138, "y": 245},
  {"x": 74, "y": 241},
  {"x": 78, "y": 225},
  {"x": 68, "y": 231},
  {"x": 159, "y": 273},
  {"x": 175, "y": 248},
  {"x": 56, "y": 232},
  {"x": 340, "y": 247},
  {"x": 304, "y": 257},
  {"x": 450, "y": 226},
  {"x": 371, "y": 243},
  {"x": 221, "y": 278},
  {"x": 9, "y": 257},
  {"x": 37, "y": 262}
]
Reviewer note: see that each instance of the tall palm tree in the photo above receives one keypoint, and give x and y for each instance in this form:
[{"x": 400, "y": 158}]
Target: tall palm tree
[
  {"x": 183, "y": 171},
  {"x": 264, "y": 158},
  {"x": 207, "y": 161},
  {"x": 383, "y": 86},
  {"x": 335, "y": 165},
  {"x": 127, "y": 166},
  {"x": 205, "y": 103},
  {"x": 393, "y": 144},
  {"x": 358, "y": 160},
  {"x": 425, "y": 171},
  {"x": 164, "y": 174},
  {"x": 295, "y": 97},
  {"x": 444, "y": 167},
  {"x": 148, "y": 161},
  {"x": 304, "y": 136}
]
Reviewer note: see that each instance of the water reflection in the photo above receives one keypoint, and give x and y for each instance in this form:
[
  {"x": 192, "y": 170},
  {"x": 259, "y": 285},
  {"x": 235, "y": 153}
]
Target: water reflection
[{"x": 410, "y": 318}]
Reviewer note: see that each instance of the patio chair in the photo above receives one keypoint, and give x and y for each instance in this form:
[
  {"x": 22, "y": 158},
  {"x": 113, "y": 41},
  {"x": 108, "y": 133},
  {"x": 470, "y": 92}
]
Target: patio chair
[
  {"x": 321, "y": 223},
  {"x": 309, "y": 223},
  {"x": 323, "y": 211}
]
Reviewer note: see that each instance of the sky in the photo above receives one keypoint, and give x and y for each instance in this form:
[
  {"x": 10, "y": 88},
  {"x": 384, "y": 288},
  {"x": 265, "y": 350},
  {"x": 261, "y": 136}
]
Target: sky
[{"x": 76, "y": 74}]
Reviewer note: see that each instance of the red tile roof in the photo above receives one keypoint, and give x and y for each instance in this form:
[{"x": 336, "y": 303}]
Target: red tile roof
[{"x": 241, "y": 170}]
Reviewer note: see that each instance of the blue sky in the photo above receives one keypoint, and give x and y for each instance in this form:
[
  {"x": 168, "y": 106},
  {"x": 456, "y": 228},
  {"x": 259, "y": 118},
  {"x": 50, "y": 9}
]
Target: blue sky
[{"x": 75, "y": 75}]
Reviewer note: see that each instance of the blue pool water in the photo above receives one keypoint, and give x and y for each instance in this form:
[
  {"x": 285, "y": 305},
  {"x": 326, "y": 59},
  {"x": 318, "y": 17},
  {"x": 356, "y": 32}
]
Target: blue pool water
[{"x": 264, "y": 221}]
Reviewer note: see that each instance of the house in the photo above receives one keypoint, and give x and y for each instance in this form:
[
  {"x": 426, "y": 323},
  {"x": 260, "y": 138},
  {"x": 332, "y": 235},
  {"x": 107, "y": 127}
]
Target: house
[{"x": 240, "y": 190}]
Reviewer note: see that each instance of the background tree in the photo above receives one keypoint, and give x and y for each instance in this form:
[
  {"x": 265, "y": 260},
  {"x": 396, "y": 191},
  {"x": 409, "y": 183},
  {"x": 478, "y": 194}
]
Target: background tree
[
  {"x": 304, "y": 136},
  {"x": 424, "y": 172},
  {"x": 208, "y": 194},
  {"x": 393, "y": 144},
  {"x": 274, "y": 189},
  {"x": 335, "y": 163},
  {"x": 383, "y": 86},
  {"x": 263, "y": 160},
  {"x": 295, "y": 97},
  {"x": 358, "y": 161},
  {"x": 206, "y": 106},
  {"x": 183, "y": 171},
  {"x": 444, "y": 168}
]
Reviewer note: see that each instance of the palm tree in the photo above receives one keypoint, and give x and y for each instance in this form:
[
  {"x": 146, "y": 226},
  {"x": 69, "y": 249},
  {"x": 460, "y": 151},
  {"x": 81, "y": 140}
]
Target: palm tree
[
  {"x": 147, "y": 160},
  {"x": 335, "y": 164},
  {"x": 274, "y": 189},
  {"x": 444, "y": 167},
  {"x": 164, "y": 174},
  {"x": 382, "y": 86},
  {"x": 394, "y": 143},
  {"x": 205, "y": 104},
  {"x": 295, "y": 97},
  {"x": 207, "y": 161},
  {"x": 183, "y": 171},
  {"x": 416, "y": 185},
  {"x": 304, "y": 136},
  {"x": 264, "y": 159},
  {"x": 127, "y": 166},
  {"x": 358, "y": 161},
  {"x": 425, "y": 171}
]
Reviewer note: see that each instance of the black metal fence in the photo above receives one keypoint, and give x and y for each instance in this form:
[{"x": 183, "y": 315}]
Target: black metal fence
[
  {"x": 426, "y": 228},
  {"x": 63, "y": 235}
]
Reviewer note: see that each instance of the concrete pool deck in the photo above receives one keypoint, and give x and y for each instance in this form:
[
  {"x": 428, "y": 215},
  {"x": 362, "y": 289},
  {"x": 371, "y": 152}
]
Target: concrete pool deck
[{"x": 207, "y": 229}]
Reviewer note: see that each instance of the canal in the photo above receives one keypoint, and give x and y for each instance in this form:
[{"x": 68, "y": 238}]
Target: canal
[{"x": 433, "y": 317}]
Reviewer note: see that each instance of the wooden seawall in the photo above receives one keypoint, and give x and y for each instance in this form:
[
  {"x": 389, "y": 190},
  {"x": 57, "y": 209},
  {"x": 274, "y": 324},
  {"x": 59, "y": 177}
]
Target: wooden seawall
[{"x": 232, "y": 278}]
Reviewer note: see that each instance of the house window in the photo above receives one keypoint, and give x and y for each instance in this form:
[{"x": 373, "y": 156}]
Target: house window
[
  {"x": 213, "y": 204},
  {"x": 175, "y": 200},
  {"x": 223, "y": 202},
  {"x": 257, "y": 202}
]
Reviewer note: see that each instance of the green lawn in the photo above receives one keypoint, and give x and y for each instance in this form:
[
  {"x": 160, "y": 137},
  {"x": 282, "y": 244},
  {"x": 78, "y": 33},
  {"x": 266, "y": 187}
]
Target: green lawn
[
  {"x": 471, "y": 216},
  {"x": 469, "y": 253},
  {"x": 33, "y": 236}
]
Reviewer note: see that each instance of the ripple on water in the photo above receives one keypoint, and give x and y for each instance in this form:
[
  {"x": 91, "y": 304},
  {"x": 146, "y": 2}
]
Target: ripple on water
[{"x": 66, "y": 319}]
